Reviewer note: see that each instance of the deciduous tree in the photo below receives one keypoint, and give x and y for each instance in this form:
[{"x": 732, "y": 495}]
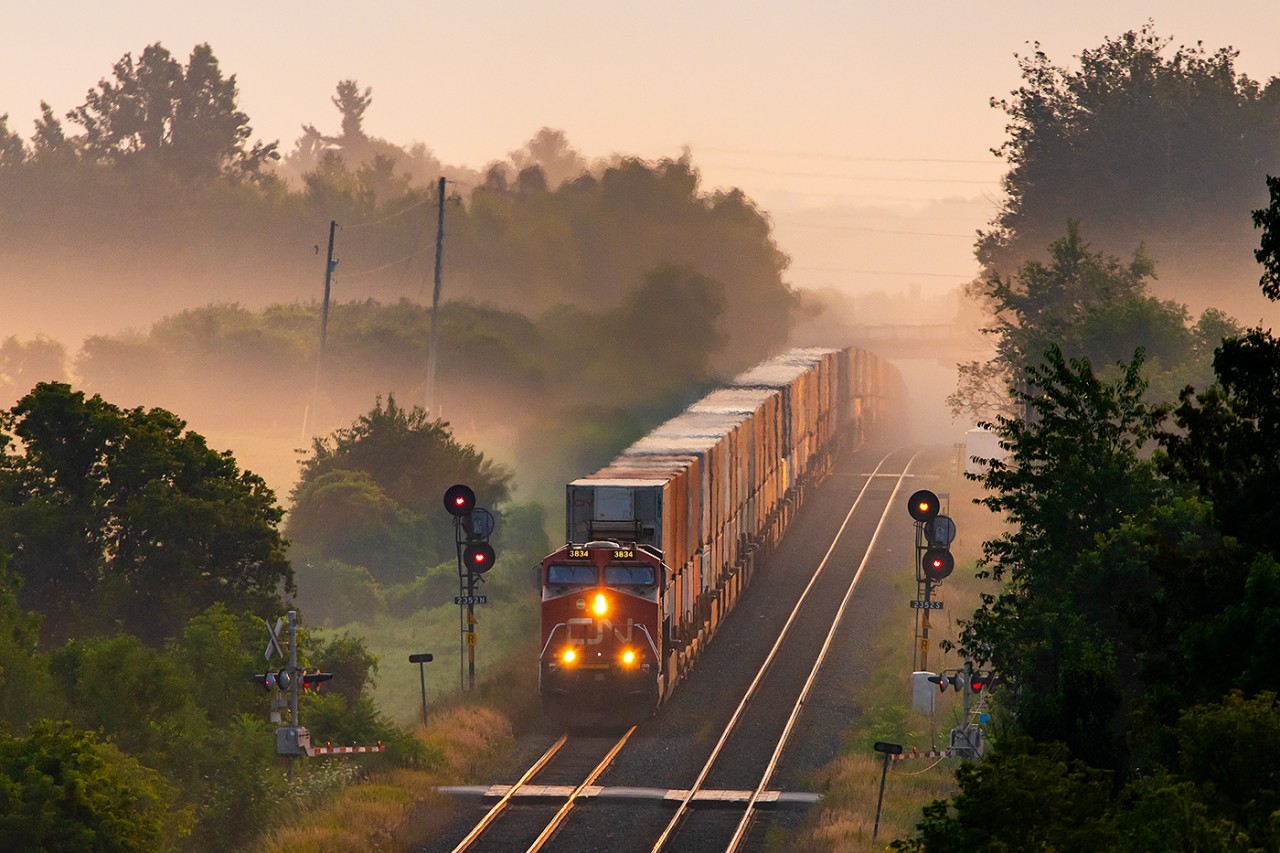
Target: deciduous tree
[{"x": 124, "y": 519}]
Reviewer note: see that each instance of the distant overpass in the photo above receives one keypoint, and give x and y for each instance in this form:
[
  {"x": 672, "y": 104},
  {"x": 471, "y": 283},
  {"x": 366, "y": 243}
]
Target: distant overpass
[{"x": 943, "y": 341}]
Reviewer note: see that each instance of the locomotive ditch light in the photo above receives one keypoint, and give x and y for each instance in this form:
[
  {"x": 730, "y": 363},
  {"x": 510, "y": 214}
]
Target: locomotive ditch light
[
  {"x": 600, "y": 605},
  {"x": 629, "y": 657},
  {"x": 568, "y": 656},
  {"x": 923, "y": 506}
]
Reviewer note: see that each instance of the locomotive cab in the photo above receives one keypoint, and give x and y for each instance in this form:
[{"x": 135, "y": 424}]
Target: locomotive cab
[{"x": 601, "y": 635}]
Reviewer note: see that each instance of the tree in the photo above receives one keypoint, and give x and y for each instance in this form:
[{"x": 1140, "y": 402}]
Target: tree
[
  {"x": 1228, "y": 438},
  {"x": 1089, "y": 305},
  {"x": 184, "y": 120},
  {"x": 26, "y": 690},
  {"x": 62, "y": 790},
  {"x": 551, "y": 152},
  {"x": 49, "y": 141},
  {"x": 378, "y": 484},
  {"x": 352, "y": 104},
  {"x": 1145, "y": 144},
  {"x": 1268, "y": 252},
  {"x": 24, "y": 363},
  {"x": 12, "y": 151},
  {"x": 1023, "y": 796},
  {"x": 123, "y": 518},
  {"x": 1056, "y": 630}
]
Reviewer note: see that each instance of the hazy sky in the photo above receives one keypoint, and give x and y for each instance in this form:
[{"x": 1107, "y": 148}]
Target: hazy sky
[{"x": 819, "y": 110}]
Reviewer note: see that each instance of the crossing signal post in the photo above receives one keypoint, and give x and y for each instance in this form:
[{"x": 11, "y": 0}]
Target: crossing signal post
[
  {"x": 472, "y": 526},
  {"x": 966, "y": 739},
  {"x": 934, "y": 535}
]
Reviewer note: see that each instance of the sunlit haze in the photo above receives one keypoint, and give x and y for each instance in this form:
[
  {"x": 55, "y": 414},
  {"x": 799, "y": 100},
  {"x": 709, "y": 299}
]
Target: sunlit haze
[
  {"x": 819, "y": 110},
  {"x": 864, "y": 131}
]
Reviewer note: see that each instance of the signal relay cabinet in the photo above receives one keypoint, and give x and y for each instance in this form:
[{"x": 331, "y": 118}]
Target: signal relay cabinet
[{"x": 293, "y": 740}]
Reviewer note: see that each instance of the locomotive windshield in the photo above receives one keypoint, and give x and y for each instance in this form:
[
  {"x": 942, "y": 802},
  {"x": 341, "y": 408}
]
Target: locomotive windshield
[
  {"x": 628, "y": 575},
  {"x": 571, "y": 575}
]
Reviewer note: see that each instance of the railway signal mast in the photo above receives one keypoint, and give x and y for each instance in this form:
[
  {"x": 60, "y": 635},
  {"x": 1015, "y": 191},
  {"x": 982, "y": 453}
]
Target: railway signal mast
[
  {"x": 472, "y": 526},
  {"x": 934, "y": 534}
]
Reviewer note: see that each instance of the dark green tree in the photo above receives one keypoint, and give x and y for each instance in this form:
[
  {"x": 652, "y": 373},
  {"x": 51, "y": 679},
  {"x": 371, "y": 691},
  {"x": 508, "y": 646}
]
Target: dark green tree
[
  {"x": 1056, "y": 630},
  {"x": 1003, "y": 805},
  {"x": 124, "y": 519},
  {"x": 61, "y": 789},
  {"x": 378, "y": 484},
  {"x": 1228, "y": 438},
  {"x": 1089, "y": 305},
  {"x": 26, "y": 690},
  {"x": 1268, "y": 251}
]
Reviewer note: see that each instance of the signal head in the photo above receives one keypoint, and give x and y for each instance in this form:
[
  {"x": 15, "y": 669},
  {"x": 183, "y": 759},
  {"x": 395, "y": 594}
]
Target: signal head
[
  {"x": 923, "y": 506},
  {"x": 478, "y": 557},
  {"x": 459, "y": 500},
  {"x": 937, "y": 563}
]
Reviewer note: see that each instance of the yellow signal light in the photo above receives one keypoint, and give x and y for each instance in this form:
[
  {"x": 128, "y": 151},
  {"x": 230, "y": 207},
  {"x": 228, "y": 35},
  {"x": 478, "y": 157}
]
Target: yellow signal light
[{"x": 600, "y": 605}]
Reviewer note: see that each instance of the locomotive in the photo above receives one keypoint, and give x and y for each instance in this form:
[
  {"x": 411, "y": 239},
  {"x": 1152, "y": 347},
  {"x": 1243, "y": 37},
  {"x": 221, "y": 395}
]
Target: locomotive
[{"x": 661, "y": 541}]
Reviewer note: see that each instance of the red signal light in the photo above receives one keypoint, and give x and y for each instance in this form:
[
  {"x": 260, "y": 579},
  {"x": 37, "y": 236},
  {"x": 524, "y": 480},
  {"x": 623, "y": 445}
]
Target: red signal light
[
  {"x": 459, "y": 499},
  {"x": 937, "y": 563},
  {"x": 478, "y": 557}
]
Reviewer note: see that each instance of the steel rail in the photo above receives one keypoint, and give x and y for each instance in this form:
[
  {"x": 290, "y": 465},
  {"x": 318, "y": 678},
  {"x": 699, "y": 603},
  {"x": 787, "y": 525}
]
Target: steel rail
[
  {"x": 683, "y": 807},
  {"x": 741, "y": 831},
  {"x": 493, "y": 813},
  {"x": 550, "y": 829}
]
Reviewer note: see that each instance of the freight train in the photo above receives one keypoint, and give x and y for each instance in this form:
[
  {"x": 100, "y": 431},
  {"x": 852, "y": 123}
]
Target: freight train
[{"x": 661, "y": 541}]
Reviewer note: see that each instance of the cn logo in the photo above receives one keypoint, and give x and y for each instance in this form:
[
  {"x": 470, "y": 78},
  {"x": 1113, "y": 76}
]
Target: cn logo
[{"x": 593, "y": 631}]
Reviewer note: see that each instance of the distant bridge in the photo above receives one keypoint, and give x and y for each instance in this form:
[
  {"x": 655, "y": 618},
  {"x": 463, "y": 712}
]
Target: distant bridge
[{"x": 922, "y": 340}]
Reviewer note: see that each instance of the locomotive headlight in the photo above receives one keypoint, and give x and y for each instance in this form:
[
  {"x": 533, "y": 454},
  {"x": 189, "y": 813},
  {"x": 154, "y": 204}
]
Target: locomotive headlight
[
  {"x": 601, "y": 605},
  {"x": 629, "y": 657},
  {"x": 568, "y": 656}
]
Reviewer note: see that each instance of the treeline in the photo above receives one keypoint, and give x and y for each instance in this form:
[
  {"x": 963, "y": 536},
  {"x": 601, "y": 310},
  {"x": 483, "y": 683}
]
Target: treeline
[
  {"x": 1147, "y": 144},
  {"x": 150, "y": 198},
  {"x": 1131, "y": 628},
  {"x": 137, "y": 565}
]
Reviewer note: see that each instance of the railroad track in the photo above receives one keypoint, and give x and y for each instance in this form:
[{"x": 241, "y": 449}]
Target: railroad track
[
  {"x": 714, "y": 805},
  {"x": 563, "y": 761}
]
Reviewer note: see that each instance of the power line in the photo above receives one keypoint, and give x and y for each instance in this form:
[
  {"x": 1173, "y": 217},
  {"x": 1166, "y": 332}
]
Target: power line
[
  {"x": 846, "y": 158},
  {"x": 387, "y": 265},
  {"x": 868, "y": 230},
  {"x": 836, "y": 176},
  {"x": 389, "y": 217},
  {"x": 884, "y": 272}
]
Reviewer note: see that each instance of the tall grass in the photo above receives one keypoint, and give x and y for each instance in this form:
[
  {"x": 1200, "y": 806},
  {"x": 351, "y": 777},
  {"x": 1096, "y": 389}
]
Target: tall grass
[{"x": 397, "y": 809}]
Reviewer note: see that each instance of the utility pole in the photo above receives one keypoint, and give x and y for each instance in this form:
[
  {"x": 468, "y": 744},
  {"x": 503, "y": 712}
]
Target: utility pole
[
  {"x": 329, "y": 264},
  {"x": 435, "y": 301}
]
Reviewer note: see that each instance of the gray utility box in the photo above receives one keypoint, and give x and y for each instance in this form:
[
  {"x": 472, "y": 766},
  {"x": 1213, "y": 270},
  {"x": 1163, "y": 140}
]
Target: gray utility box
[{"x": 293, "y": 740}]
